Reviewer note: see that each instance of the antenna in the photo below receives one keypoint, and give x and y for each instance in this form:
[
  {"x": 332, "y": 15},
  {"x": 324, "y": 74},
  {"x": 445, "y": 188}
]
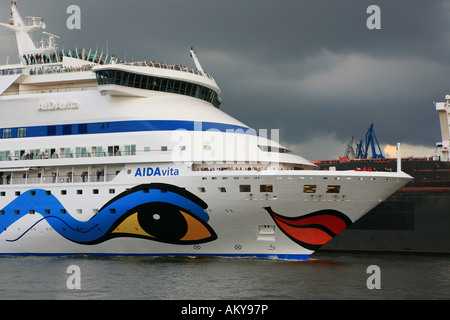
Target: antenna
[
  {"x": 51, "y": 38},
  {"x": 40, "y": 21},
  {"x": 50, "y": 34}
]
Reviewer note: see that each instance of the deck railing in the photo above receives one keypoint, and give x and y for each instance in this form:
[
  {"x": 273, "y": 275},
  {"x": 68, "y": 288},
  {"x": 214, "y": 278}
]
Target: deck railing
[{"x": 39, "y": 66}]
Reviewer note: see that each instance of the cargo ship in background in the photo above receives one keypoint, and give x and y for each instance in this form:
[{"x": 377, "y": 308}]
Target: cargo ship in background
[{"x": 416, "y": 218}]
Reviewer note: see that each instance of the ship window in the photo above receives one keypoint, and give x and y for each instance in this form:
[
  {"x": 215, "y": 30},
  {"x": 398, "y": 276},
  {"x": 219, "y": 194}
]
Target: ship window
[
  {"x": 17, "y": 193},
  {"x": 113, "y": 151},
  {"x": 190, "y": 89},
  {"x": 208, "y": 95},
  {"x": 62, "y": 211},
  {"x": 79, "y": 152},
  {"x": 309, "y": 189},
  {"x": 47, "y": 211},
  {"x": 6, "y": 133},
  {"x": 3, "y": 193},
  {"x": 67, "y": 129},
  {"x": 51, "y": 130},
  {"x": 112, "y": 190},
  {"x": 16, "y": 211},
  {"x": 333, "y": 189},
  {"x": 163, "y": 148},
  {"x": 203, "y": 93},
  {"x": 82, "y": 128},
  {"x": 245, "y": 188},
  {"x": 155, "y": 84},
  {"x": 202, "y": 189},
  {"x": 63, "y": 192},
  {"x": 130, "y": 150},
  {"x": 125, "y": 77},
  {"x": 21, "y": 132},
  {"x": 4, "y": 155},
  {"x": 101, "y": 78},
  {"x": 2, "y": 212},
  {"x": 115, "y": 77},
  {"x": 131, "y": 80},
  {"x": 32, "y": 211},
  {"x": 95, "y": 191},
  {"x": 145, "y": 82},
  {"x": 265, "y": 188},
  {"x": 222, "y": 189},
  {"x": 163, "y": 85},
  {"x": 79, "y": 191},
  {"x": 139, "y": 81},
  {"x": 274, "y": 149}
]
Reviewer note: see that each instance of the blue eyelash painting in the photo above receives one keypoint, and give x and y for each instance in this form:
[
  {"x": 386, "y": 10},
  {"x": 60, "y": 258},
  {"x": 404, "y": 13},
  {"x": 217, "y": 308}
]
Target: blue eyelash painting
[{"x": 158, "y": 212}]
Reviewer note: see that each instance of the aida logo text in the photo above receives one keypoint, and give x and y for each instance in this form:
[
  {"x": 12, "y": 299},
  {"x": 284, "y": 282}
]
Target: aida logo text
[{"x": 151, "y": 172}]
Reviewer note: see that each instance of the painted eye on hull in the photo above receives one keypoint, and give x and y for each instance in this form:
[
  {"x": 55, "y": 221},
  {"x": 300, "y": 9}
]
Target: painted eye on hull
[
  {"x": 164, "y": 222},
  {"x": 160, "y": 212}
]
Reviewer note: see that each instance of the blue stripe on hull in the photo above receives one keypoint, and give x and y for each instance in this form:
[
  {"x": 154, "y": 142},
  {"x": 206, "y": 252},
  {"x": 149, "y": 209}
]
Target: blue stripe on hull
[{"x": 126, "y": 126}]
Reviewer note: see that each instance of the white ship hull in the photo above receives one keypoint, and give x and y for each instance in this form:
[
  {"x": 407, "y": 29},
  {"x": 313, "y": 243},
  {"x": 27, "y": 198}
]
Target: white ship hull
[{"x": 238, "y": 223}]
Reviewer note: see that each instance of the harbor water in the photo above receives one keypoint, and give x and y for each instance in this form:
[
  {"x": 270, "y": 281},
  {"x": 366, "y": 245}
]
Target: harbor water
[{"x": 326, "y": 275}]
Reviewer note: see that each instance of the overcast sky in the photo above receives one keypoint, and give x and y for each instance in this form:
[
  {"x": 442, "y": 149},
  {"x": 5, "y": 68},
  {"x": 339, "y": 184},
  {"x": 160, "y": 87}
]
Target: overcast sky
[{"x": 310, "y": 68}]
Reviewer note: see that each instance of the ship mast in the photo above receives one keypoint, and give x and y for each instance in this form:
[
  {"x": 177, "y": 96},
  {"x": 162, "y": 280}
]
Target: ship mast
[{"x": 23, "y": 30}]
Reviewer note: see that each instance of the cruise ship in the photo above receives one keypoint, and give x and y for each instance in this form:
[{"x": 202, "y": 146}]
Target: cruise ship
[{"x": 100, "y": 156}]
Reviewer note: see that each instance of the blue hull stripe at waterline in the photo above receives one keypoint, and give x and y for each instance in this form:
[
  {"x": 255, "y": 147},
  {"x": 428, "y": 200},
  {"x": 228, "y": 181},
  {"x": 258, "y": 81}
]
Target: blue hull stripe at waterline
[{"x": 294, "y": 257}]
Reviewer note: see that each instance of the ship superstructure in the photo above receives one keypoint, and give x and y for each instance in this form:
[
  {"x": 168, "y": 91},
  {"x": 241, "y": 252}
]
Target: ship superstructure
[
  {"x": 101, "y": 156},
  {"x": 443, "y": 147}
]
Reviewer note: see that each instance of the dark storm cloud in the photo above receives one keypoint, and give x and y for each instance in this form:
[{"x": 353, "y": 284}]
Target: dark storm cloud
[{"x": 310, "y": 68}]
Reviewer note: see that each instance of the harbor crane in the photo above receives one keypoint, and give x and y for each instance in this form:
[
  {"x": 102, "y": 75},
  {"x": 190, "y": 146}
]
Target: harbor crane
[{"x": 362, "y": 151}]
